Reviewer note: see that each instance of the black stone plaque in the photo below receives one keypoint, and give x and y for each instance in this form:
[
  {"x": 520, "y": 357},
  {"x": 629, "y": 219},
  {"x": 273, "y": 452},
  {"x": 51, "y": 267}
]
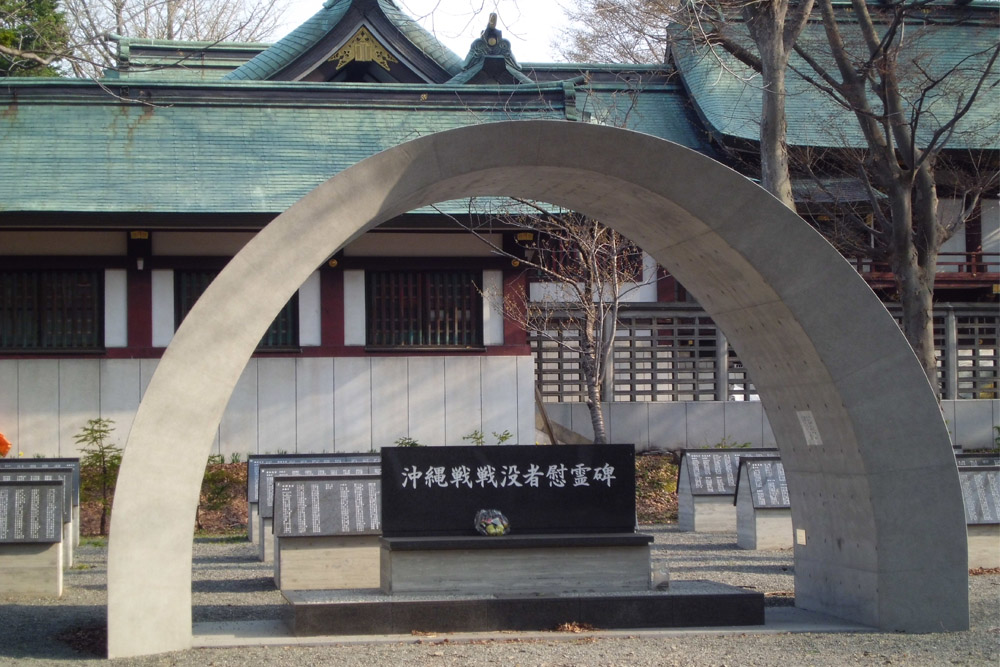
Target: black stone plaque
[
  {"x": 65, "y": 462},
  {"x": 31, "y": 511},
  {"x": 317, "y": 506},
  {"x": 34, "y": 474},
  {"x": 977, "y": 460},
  {"x": 767, "y": 484},
  {"x": 254, "y": 461},
  {"x": 437, "y": 491},
  {"x": 981, "y": 494},
  {"x": 269, "y": 471},
  {"x": 713, "y": 472}
]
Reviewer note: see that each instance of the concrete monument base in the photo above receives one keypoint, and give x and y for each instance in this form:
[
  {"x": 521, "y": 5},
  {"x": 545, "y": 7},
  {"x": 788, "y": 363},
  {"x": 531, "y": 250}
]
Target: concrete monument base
[
  {"x": 32, "y": 569},
  {"x": 326, "y": 562}
]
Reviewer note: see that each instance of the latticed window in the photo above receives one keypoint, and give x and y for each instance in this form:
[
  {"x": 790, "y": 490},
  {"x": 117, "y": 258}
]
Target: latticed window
[
  {"x": 424, "y": 308},
  {"x": 283, "y": 332},
  {"x": 51, "y": 310}
]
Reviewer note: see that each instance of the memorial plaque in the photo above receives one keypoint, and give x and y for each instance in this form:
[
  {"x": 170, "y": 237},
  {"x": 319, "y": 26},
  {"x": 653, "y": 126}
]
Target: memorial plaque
[
  {"x": 269, "y": 471},
  {"x": 319, "y": 506},
  {"x": 981, "y": 494},
  {"x": 33, "y": 474},
  {"x": 31, "y": 511},
  {"x": 554, "y": 489},
  {"x": 767, "y": 483},
  {"x": 712, "y": 472},
  {"x": 66, "y": 462},
  {"x": 254, "y": 461},
  {"x": 977, "y": 460}
]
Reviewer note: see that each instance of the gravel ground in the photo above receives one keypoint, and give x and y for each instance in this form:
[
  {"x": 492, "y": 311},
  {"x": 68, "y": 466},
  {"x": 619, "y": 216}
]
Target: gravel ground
[{"x": 230, "y": 585}]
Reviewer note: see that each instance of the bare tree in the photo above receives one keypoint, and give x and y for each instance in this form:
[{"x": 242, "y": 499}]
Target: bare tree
[
  {"x": 579, "y": 273},
  {"x": 909, "y": 102},
  {"x": 93, "y": 21}
]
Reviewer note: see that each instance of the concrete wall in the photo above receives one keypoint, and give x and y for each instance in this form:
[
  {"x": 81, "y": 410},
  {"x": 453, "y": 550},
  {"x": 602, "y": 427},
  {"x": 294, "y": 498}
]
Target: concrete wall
[
  {"x": 282, "y": 404},
  {"x": 972, "y": 423}
]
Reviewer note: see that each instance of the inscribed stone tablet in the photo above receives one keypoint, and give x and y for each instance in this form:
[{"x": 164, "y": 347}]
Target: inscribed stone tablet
[
  {"x": 34, "y": 474},
  {"x": 977, "y": 460},
  {"x": 767, "y": 483},
  {"x": 65, "y": 462},
  {"x": 981, "y": 494},
  {"x": 268, "y": 472},
  {"x": 254, "y": 461},
  {"x": 554, "y": 489},
  {"x": 31, "y": 511},
  {"x": 713, "y": 472},
  {"x": 318, "y": 506}
]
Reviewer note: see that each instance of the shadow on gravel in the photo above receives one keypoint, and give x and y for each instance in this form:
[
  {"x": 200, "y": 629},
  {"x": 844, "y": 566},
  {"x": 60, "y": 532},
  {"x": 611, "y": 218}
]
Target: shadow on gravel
[
  {"x": 76, "y": 632},
  {"x": 742, "y": 567},
  {"x": 213, "y": 613},
  {"x": 254, "y": 585}
]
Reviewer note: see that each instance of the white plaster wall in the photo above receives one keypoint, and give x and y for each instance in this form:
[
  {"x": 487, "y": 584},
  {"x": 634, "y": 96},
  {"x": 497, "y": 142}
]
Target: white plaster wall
[
  {"x": 493, "y": 307},
  {"x": 310, "y": 330},
  {"x": 354, "y": 307},
  {"x": 354, "y": 404},
  {"x": 991, "y": 231},
  {"x": 163, "y": 307}
]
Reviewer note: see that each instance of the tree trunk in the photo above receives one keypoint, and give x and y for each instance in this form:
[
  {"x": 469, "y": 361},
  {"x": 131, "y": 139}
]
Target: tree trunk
[{"x": 766, "y": 22}]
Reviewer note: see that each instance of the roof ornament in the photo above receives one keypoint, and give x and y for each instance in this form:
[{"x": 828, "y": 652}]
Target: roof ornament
[{"x": 490, "y": 44}]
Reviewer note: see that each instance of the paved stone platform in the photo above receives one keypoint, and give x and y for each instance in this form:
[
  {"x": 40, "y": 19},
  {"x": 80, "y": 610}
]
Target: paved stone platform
[{"x": 684, "y": 604}]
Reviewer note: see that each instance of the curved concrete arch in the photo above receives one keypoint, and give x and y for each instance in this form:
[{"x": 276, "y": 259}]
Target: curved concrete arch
[{"x": 874, "y": 489}]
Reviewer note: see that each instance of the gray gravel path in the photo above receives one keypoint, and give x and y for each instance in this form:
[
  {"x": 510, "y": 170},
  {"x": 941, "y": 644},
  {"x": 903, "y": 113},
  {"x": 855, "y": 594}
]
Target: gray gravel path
[{"x": 230, "y": 585}]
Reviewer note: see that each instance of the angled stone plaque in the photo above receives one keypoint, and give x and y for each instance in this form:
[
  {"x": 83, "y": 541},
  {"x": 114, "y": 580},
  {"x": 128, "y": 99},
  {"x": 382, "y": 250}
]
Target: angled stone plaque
[
  {"x": 327, "y": 505},
  {"x": 66, "y": 462},
  {"x": 713, "y": 472},
  {"x": 254, "y": 461},
  {"x": 766, "y": 482},
  {"x": 268, "y": 472},
  {"x": 65, "y": 475},
  {"x": 31, "y": 511},
  {"x": 981, "y": 494}
]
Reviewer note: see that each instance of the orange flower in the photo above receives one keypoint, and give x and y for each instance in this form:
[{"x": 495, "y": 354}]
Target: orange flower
[{"x": 4, "y": 445}]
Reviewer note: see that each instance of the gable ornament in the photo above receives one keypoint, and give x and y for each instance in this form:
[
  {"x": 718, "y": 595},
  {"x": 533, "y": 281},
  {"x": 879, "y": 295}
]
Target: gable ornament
[{"x": 362, "y": 47}]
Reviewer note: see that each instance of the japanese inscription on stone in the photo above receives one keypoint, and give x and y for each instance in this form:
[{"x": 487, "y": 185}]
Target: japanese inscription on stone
[
  {"x": 31, "y": 511},
  {"x": 62, "y": 474},
  {"x": 713, "y": 472},
  {"x": 255, "y": 461},
  {"x": 268, "y": 473},
  {"x": 981, "y": 494},
  {"x": 767, "y": 483},
  {"x": 65, "y": 462},
  {"x": 331, "y": 505}
]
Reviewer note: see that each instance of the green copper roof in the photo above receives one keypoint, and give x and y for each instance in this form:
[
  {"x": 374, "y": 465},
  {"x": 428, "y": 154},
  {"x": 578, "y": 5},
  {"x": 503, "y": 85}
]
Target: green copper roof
[
  {"x": 727, "y": 93},
  {"x": 274, "y": 59}
]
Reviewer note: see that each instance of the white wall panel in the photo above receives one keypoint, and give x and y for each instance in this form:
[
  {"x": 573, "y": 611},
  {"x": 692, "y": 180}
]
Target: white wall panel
[
  {"x": 744, "y": 422},
  {"x": 276, "y": 405},
  {"x": 309, "y": 311},
  {"x": 120, "y": 390},
  {"x": 974, "y": 424},
  {"x": 628, "y": 423},
  {"x": 426, "y": 399},
  {"x": 314, "y": 405},
  {"x": 493, "y": 307},
  {"x": 38, "y": 399},
  {"x": 499, "y": 395},
  {"x": 9, "y": 412},
  {"x": 706, "y": 423},
  {"x": 115, "y": 308},
  {"x": 79, "y": 401},
  {"x": 667, "y": 425},
  {"x": 352, "y": 395},
  {"x": 163, "y": 307},
  {"x": 354, "y": 307},
  {"x": 462, "y": 399},
  {"x": 580, "y": 420},
  {"x": 525, "y": 397},
  {"x": 390, "y": 409},
  {"x": 238, "y": 428}
]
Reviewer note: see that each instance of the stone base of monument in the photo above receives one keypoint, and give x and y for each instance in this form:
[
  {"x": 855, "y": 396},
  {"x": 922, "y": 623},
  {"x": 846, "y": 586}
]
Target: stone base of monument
[
  {"x": 549, "y": 564},
  {"x": 764, "y": 529},
  {"x": 706, "y": 514},
  {"x": 326, "y": 562},
  {"x": 253, "y": 535},
  {"x": 360, "y": 612},
  {"x": 31, "y": 569},
  {"x": 984, "y": 546},
  {"x": 265, "y": 540}
]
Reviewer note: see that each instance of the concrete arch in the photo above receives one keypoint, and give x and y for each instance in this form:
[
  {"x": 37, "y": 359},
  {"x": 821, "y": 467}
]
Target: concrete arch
[{"x": 870, "y": 468}]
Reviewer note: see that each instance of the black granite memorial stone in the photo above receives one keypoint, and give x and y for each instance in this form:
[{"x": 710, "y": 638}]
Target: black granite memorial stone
[
  {"x": 64, "y": 462},
  {"x": 541, "y": 490},
  {"x": 977, "y": 460},
  {"x": 31, "y": 511},
  {"x": 35, "y": 474},
  {"x": 981, "y": 494},
  {"x": 713, "y": 472},
  {"x": 254, "y": 461},
  {"x": 268, "y": 473},
  {"x": 767, "y": 483},
  {"x": 331, "y": 505}
]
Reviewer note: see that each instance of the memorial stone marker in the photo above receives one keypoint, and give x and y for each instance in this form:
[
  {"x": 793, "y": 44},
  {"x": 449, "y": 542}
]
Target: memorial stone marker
[
  {"x": 64, "y": 474},
  {"x": 767, "y": 484},
  {"x": 763, "y": 506},
  {"x": 706, "y": 487},
  {"x": 981, "y": 495},
  {"x": 977, "y": 460},
  {"x": 269, "y": 472},
  {"x": 58, "y": 462},
  {"x": 31, "y": 511},
  {"x": 329, "y": 505}
]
